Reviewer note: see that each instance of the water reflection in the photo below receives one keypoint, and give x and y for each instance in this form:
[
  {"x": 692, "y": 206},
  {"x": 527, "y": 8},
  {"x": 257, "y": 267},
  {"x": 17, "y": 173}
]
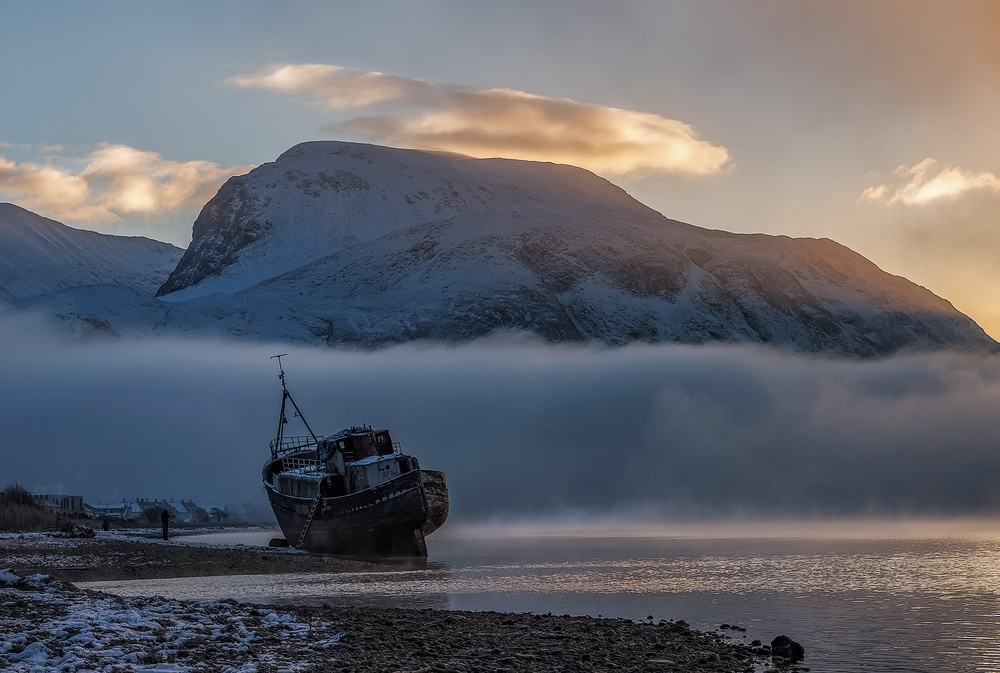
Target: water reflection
[
  {"x": 858, "y": 603},
  {"x": 385, "y": 588}
]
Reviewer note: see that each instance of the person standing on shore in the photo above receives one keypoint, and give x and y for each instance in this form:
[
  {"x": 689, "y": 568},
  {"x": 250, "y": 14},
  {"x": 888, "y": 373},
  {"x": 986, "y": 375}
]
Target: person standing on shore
[{"x": 164, "y": 517}]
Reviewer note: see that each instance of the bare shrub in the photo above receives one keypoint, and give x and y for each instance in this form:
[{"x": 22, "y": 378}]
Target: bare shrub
[{"x": 15, "y": 494}]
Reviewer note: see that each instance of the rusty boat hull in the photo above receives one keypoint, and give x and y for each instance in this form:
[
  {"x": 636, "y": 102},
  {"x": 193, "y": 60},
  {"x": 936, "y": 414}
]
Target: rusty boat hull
[{"x": 386, "y": 520}]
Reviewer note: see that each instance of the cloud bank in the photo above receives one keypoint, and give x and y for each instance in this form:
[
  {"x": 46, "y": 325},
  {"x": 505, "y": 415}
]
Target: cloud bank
[
  {"x": 929, "y": 181},
  {"x": 520, "y": 429},
  {"x": 497, "y": 122},
  {"x": 111, "y": 182}
]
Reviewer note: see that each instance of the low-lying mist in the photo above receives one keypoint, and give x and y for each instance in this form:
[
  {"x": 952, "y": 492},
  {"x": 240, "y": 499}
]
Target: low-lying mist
[{"x": 521, "y": 429}]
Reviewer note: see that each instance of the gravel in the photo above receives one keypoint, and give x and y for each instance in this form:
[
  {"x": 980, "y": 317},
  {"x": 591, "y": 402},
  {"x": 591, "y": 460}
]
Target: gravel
[{"x": 48, "y": 624}]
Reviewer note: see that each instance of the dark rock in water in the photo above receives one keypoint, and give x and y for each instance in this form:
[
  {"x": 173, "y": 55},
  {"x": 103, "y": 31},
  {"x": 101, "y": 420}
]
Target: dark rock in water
[
  {"x": 278, "y": 542},
  {"x": 785, "y": 647}
]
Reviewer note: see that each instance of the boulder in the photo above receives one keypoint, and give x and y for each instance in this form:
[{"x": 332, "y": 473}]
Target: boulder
[{"x": 785, "y": 647}]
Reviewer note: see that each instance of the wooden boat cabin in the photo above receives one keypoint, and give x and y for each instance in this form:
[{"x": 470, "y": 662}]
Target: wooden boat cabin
[{"x": 346, "y": 462}]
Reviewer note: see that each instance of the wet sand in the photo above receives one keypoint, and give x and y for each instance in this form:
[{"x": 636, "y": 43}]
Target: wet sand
[{"x": 113, "y": 556}]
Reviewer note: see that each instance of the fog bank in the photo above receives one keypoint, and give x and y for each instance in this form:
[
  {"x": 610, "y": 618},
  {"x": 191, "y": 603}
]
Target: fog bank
[{"x": 520, "y": 428}]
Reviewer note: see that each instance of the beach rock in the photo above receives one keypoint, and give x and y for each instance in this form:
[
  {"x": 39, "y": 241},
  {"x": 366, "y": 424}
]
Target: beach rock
[
  {"x": 74, "y": 530},
  {"x": 788, "y": 649}
]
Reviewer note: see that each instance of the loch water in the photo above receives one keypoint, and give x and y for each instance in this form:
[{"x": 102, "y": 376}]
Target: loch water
[{"x": 909, "y": 596}]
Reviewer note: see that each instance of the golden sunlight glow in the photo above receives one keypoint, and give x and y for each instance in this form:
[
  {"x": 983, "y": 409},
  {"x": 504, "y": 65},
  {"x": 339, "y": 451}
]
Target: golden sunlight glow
[
  {"x": 337, "y": 87},
  {"x": 116, "y": 180},
  {"x": 500, "y": 122},
  {"x": 929, "y": 181}
]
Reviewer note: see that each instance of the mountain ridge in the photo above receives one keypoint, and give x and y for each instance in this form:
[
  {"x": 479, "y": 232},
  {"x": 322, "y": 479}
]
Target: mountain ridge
[
  {"x": 40, "y": 255},
  {"x": 351, "y": 192},
  {"x": 349, "y": 244}
]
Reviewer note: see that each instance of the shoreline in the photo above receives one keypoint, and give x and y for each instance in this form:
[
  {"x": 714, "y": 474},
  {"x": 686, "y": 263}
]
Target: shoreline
[
  {"x": 265, "y": 638},
  {"x": 120, "y": 555}
]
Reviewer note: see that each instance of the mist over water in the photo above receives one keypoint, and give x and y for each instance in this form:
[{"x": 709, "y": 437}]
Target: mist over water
[{"x": 520, "y": 428}]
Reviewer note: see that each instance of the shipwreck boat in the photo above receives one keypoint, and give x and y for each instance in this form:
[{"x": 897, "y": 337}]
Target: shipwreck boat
[{"x": 352, "y": 493}]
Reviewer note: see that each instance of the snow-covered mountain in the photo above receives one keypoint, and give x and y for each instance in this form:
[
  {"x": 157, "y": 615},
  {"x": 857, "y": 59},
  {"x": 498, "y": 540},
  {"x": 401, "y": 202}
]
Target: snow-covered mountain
[
  {"x": 39, "y": 256},
  {"x": 320, "y": 198},
  {"x": 344, "y": 243},
  {"x": 348, "y": 243}
]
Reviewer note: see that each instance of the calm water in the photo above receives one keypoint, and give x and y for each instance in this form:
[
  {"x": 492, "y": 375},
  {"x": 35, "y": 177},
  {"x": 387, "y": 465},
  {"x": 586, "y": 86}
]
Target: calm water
[{"x": 920, "y": 596}]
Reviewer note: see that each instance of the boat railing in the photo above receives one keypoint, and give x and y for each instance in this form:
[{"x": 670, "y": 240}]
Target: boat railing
[
  {"x": 289, "y": 444},
  {"x": 300, "y": 464}
]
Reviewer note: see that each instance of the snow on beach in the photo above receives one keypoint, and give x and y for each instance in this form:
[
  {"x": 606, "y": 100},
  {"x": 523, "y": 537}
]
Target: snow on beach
[
  {"x": 47, "y": 625},
  {"x": 50, "y": 626}
]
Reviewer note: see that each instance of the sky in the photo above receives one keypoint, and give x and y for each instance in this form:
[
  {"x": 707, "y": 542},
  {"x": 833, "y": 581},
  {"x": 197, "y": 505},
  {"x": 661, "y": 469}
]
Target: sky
[{"x": 876, "y": 124}]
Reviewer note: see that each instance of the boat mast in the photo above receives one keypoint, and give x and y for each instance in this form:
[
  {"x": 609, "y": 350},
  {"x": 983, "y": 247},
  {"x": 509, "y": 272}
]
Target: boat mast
[{"x": 285, "y": 395}]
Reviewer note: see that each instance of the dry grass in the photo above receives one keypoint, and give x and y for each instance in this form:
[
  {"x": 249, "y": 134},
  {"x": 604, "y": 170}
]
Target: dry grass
[
  {"x": 23, "y": 518},
  {"x": 19, "y": 513}
]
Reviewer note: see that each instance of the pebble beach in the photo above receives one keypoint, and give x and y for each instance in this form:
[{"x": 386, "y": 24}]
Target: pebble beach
[{"x": 49, "y": 624}]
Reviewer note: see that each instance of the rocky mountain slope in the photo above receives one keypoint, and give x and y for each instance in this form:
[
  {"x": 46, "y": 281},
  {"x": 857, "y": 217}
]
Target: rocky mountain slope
[
  {"x": 39, "y": 256},
  {"x": 347, "y": 243},
  {"x": 320, "y": 198},
  {"x": 344, "y": 243}
]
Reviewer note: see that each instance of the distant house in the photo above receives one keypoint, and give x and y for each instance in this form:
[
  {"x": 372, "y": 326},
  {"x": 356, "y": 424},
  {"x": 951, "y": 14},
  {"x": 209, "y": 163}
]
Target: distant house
[
  {"x": 181, "y": 511},
  {"x": 133, "y": 512},
  {"x": 141, "y": 506},
  {"x": 185, "y": 511},
  {"x": 189, "y": 512},
  {"x": 107, "y": 511},
  {"x": 196, "y": 513},
  {"x": 60, "y": 504}
]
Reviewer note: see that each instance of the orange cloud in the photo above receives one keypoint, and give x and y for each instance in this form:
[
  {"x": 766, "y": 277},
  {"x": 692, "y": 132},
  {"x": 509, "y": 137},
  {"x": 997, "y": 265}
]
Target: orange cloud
[
  {"x": 930, "y": 181},
  {"x": 499, "y": 122},
  {"x": 334, "y": 86},
  {"x": 114, "y": 180}
]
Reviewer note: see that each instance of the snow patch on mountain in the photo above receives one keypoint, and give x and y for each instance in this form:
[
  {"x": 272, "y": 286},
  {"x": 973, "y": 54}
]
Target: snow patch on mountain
[{"x": 39, "y": 256}]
